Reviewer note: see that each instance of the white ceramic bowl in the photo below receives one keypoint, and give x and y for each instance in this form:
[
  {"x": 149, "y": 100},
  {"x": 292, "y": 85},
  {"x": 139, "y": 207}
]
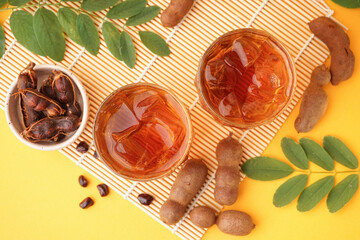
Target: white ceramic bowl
[{"x": 14, "y": 117}]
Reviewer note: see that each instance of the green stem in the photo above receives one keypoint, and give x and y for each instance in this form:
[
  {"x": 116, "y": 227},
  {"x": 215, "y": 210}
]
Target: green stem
[
  {"x": 324, "y": 172},
  {"x": 125, "y": 26},
  {"x": 80, "y": 10},
  {"x": 347, "y": 171}
]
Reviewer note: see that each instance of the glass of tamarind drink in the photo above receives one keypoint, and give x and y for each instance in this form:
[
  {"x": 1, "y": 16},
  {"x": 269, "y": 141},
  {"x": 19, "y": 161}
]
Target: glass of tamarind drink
[
  {"x": 142, "y": 132},
  {"x": 246, "y": 78}
]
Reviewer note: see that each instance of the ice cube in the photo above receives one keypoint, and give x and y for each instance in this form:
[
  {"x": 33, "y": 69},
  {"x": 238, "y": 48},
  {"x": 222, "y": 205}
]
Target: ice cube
[
  {"x": 229, "y": 106},
  {"x": 254, "y": 108},
  {"x": 270, "y": 69},
  {"x": 246, "y": 52},
  {"x": 220, "y": 77},
  {"x": 147, "y": 146},
  {"x": 122, "y": 123},
  {"x": 248, "y": 49},
  {"x": 259, "y": 103},
  {"x": 144, "y": 102}
]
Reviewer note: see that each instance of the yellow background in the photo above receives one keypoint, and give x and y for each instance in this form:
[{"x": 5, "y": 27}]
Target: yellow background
[{"x": 39, "y": 193}]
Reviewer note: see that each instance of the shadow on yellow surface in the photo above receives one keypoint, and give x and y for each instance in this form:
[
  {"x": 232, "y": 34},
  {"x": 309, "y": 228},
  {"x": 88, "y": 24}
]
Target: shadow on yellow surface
[{"x": 39, "y": 193}]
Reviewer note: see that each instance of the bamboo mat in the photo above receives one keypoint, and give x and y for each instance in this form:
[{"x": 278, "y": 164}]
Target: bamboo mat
[{"x": 207, "y": 20}]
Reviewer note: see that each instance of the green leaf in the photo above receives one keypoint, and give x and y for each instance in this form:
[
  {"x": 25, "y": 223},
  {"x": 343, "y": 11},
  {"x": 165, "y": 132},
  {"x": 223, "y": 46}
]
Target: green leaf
[
  {"x": 3, "y": 3},
  {"x": 348, "y": 3},
  {"x": 112, "y": 39},
  {"x": 49, "y": 34},
  {"x": 127, "y": 49},
  {"x": 266, "y": 169},
  {"x": 67, "y": 19},
  {"x": 146, "y": 15},
  {"x": 2, "y": 42},
  {"x": 289, "y": 190},
  {"x": 313, "y": 194},
  {"x": 317, "y": 154},
  {"x": 154, "y": 43},
  {"x": 97, "y": 5},
  {"x": 126, "y": 9},
  {"x": 21, "y": 24},
  {"x": 340, "y": 152},
  {"x": 295, "y": 153},
  {"x": 71, "y": 0},
  {"x": 88, "y": 33},
  {"x": 342, "y": 193},
  {"x": 18, "y": 2}
]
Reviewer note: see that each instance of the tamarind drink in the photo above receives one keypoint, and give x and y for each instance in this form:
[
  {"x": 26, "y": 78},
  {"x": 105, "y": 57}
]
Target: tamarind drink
[
  {"x": 245, "y": 78},
  {"x": 141, "y": 131}
]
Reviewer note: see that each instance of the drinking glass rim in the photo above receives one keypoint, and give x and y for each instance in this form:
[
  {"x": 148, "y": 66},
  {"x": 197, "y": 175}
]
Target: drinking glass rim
[
  {"x": 258, "y": 123},
  {"x": 188, "y": 125}
]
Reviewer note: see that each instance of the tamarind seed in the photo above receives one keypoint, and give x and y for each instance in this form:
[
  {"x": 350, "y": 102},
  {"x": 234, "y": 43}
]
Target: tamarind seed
[
  {"x": 145, "y": 199},
  {"x": 103, "y": 189},
  {"x": 82, "y": 147},
  {"x": 83, "y": 181},
  {"x": 87, "y": 202},
  {"x": 96, "y": 155}
]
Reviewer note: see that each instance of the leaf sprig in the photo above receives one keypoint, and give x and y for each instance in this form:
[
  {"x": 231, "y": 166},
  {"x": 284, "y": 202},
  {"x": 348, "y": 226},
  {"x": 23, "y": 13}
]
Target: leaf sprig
[
  {"x": 348, "y": 3},
  {"x": 42, "y": 33},
  {"x": 267, "y": 169}
]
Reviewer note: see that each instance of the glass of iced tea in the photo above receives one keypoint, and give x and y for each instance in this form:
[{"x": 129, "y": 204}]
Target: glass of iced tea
[
  {"x": 246, "y": 78},
  {"x": 142, "y": 132}
]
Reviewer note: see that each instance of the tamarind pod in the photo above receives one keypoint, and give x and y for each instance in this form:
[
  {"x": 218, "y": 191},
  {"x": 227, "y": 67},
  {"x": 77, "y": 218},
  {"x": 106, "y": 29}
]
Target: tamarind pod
[
  {"x": 235, "y": 223},
  {"x": 27, "y": 78},
  {"x": 203, "y": 216},
  {"x": 227, "y": 177},
  {"x": 187, "y": 183},
  {"x": 176, "y": 10},
  {"x": 64, "y": 88},
  {"x": 342, "y": 65},
  {"x": 312, "y": 108},
  {"x": 320, "y": 76},
  {"x": 315, "y": 100},
  {"x": 338, "y": 42},
  {"x": 41, "y": 103}
]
